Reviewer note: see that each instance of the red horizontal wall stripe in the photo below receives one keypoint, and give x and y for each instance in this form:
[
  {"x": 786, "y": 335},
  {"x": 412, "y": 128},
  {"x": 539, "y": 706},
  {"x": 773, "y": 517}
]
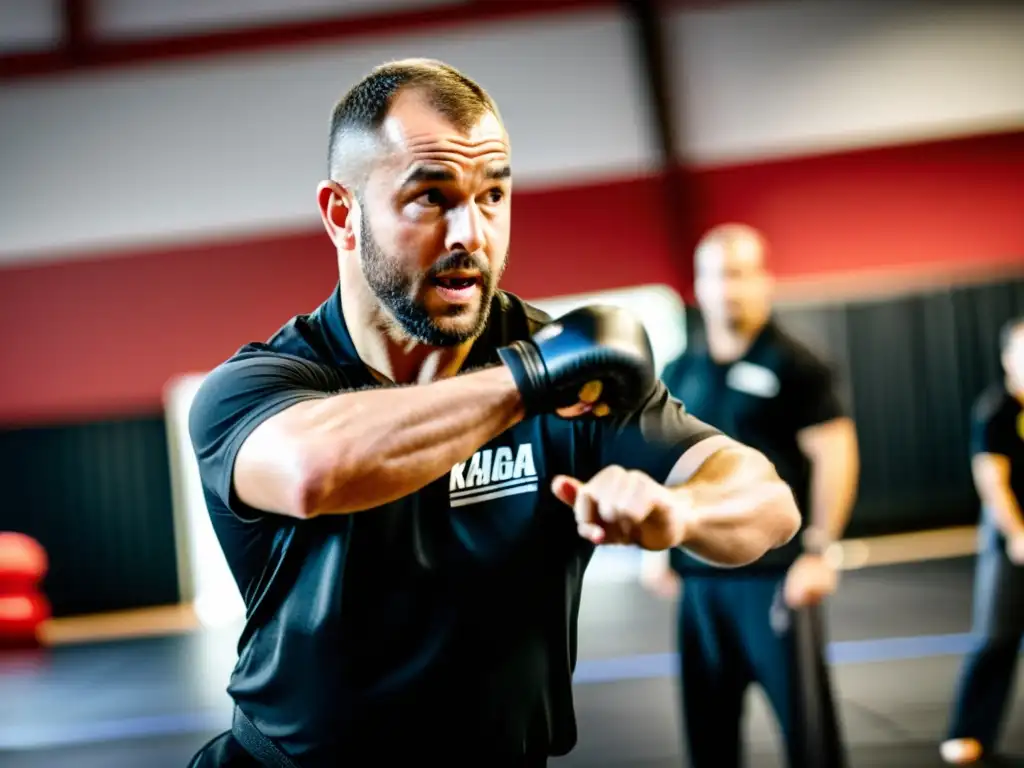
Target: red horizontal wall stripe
[
  {"x": 926, "y": 203},
  {"x": 102, "y": 336}
]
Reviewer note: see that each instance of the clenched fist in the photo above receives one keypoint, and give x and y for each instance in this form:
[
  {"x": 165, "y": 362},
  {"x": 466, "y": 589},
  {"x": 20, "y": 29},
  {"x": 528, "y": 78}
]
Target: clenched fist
[
  {"x": 620, "y": 506},
  {"x": 809, "y": 581},
  {"x": 1015, "y": 548}
]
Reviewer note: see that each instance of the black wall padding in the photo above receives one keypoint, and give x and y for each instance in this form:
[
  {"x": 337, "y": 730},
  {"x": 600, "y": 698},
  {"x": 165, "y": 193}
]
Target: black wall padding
[
  {"x": 914, "y": 366},
  {"x": 98, "y": 497}
]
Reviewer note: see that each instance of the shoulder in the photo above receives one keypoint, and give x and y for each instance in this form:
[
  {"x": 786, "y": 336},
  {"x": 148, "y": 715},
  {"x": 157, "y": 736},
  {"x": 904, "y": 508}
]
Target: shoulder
[
  {"x": 296, "y": 351},
  {"x": 252, "y": 378},
  {"x": 258, "y": 363},
  {"x": 687, "y": 359},
  {"x": 798, "y": 358},
  {"x": 991, "y": 404},
  {"x": 513, "y": 318},
  {"x": 518, "y": 309},
  {"x": 301, "y": 337},
  {"x": 994, "y": 422},
  {"x": 264, "y": 375}
]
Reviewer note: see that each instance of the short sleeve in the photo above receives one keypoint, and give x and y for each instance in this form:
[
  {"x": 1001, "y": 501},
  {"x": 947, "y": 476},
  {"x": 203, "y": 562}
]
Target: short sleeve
[
  {"x": 651, "y": 439},
  {"x": 993, "y": 428},
  {"x": 675, "y": 372},
  {"x": 812, "y": 394},
  {"x": 234, "y": 399}
]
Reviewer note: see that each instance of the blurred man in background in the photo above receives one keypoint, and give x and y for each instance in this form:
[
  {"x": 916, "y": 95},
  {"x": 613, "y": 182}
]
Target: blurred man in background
[
  {"x": 997, "y": 461},
  {"x": 759, "y": 385}
]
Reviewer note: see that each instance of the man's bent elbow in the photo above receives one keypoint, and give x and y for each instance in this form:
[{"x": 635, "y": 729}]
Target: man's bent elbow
[
  {"x": 774, "y": 517},
  {"x": 774, "y": 520},
  {"x": 782, "y": 515},
  {"x": 321, "y": 478},
  {"x": 776, "y": 510}
]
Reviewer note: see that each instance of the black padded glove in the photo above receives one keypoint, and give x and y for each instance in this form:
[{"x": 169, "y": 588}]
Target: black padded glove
[{"x": 594, "y": 343}]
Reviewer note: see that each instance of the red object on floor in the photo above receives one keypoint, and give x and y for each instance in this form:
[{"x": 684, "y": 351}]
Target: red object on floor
[{"x": 23, "y": 606}]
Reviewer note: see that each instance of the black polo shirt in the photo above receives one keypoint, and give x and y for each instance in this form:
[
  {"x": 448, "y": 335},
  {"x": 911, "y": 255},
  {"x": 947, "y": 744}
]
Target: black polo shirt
[
  {"x": 764, "y": 399},
  {"x": 442, "y": 625},
  {"x": 997, "y": 427}
]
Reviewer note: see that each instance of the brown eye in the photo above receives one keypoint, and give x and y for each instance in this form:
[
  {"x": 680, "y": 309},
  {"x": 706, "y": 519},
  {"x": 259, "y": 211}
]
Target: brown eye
[
  {"x": 497, "y": 195},
  {"x": 432, "y": 197}
]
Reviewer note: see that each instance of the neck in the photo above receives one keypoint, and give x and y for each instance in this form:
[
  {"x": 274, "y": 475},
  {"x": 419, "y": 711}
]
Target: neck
[
  {"x": 726, "y": 344},
  {"x": 388, "y": 353}
]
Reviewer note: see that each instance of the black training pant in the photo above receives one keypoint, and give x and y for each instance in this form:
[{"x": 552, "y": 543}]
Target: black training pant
[
  {"x": 734, "y": 631},
  {"x": 986, "y": 681}
]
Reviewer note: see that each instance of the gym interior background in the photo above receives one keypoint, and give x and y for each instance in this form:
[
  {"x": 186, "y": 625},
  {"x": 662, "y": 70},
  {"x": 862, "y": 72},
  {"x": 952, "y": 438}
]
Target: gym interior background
[{"x": 158, "y": 163}]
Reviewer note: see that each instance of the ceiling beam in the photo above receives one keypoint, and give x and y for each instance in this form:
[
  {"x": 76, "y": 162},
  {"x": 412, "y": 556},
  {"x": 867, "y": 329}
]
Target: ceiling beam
[
  {"x": 77, "y": 40},
  {"x": 654, "y": 48},
  {"x": 84, "y": 48}
]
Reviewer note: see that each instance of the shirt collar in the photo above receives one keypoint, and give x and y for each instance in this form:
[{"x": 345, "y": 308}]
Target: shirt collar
[{"x": 484, "y": 351}]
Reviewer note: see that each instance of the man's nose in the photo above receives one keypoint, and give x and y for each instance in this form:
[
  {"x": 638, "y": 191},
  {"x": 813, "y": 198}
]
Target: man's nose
[{"x": 465, "y": 229}]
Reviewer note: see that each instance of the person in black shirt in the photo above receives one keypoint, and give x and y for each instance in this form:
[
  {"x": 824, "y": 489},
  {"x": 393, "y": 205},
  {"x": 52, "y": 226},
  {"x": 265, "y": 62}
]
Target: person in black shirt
[
  {"x": 997, "y": 460},
  {"x": 758, "y": 384},
  {"x": 409, "y": 482}
]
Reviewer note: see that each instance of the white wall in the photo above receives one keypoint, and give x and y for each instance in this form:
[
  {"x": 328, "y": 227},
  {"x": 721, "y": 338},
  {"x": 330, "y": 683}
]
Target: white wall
[
  {"x": 235, "y": 144},
  {"x": 762, "y": 80},
  {"x": 152, "y": 18},
  {"x": 238, "y": 144},
  {"x": 29, "y": 25}
]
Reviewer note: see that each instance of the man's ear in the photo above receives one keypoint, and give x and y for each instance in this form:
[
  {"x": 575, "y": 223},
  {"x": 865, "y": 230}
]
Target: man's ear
[{"x": 336, "y": 212}]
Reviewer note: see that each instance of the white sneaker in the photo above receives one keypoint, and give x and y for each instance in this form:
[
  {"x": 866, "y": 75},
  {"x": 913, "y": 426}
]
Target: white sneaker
[{"x": 960, "y": 751}]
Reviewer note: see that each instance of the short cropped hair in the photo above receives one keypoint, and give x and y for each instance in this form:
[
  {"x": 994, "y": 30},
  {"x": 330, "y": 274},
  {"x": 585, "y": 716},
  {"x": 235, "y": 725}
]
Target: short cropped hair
[
  {"x": 1007, "y": 331},
  {"x": 731, "y": 232},
  {"x": 358, "y": 115}
]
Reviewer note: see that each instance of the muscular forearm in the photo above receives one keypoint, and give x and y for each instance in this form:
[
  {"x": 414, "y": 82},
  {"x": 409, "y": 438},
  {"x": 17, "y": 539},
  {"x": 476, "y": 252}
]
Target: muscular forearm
[
  {"x": 992, "y": 479},
  {"x": 735, "y": 509},
  {"x": 833, "y": 491},
  {"x": 395, "y": 441},
  {"x": 1006, "y": 512},
  {"x": 358, "y": 450}
]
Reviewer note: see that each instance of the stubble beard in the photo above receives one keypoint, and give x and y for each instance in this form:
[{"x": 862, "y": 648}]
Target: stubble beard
[{"x": 399, "y": 295}]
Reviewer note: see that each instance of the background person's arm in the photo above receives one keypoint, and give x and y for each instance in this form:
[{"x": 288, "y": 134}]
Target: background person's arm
[
  {"x": 832, "y": 449},
  {"x": 992, "y": 480},
  {"x": 995, "y": 437}
]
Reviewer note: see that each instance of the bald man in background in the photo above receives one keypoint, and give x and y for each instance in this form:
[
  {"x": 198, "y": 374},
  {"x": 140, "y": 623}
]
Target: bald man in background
[{"x": 760, "y": 623}]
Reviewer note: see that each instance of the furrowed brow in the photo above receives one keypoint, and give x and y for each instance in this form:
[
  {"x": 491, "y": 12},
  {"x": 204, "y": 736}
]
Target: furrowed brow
[
  {"x": 426, "y": 174},
  {"x": 500, "y": 174}
]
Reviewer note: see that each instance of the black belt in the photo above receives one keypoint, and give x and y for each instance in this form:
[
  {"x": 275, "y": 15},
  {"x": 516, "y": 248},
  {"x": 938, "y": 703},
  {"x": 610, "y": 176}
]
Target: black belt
[{"x": 257, "y": 744}]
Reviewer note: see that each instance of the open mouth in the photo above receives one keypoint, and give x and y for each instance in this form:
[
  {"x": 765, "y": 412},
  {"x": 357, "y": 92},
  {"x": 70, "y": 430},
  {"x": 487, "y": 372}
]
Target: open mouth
[
  {"x": 456, "y": 287},
  {"x": 455, "y": 282}
]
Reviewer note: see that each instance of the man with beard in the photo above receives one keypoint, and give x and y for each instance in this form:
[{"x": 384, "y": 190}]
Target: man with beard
[
  {"x": 408, "y": 483},
  {"x": 760, "y": 623}
]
